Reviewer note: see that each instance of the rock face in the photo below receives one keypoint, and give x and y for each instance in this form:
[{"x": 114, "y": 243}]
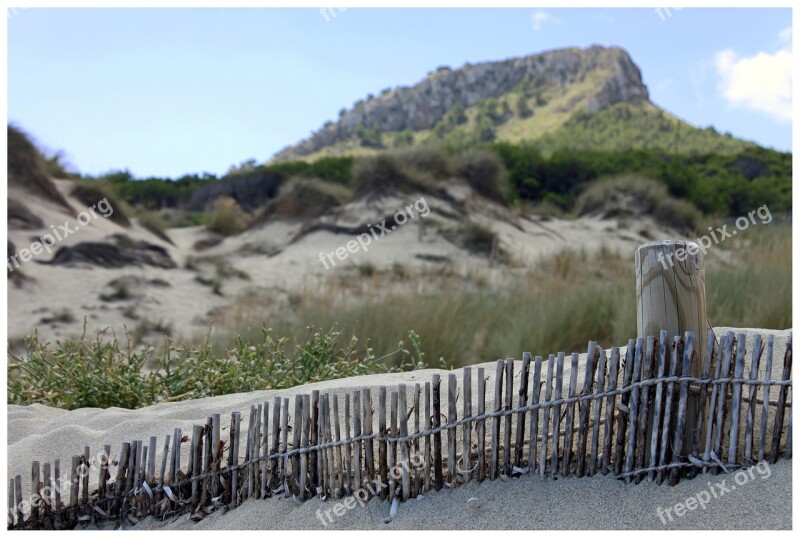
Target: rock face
[{"x": 420, "y": 106}]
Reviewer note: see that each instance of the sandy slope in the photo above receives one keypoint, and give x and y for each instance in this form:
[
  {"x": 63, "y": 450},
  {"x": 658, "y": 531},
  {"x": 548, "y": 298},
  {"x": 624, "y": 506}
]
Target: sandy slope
[
  {"x": 277, "y": 261},
  {"x": 42, "y": 433}
]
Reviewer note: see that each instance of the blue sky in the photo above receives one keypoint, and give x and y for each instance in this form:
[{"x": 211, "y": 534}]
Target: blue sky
[{"x": 171, "y": 91}]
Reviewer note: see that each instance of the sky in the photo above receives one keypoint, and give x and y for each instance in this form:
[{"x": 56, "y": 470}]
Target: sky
[{"x": 168, "y": 92}]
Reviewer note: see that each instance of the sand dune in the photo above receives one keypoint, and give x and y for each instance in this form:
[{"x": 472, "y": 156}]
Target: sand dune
[{"x": 42, "y": 433}]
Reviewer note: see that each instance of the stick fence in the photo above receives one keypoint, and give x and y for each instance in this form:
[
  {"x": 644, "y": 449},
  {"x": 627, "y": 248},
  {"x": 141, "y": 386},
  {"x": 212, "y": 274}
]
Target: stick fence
[{"x": 621, "y": 416}]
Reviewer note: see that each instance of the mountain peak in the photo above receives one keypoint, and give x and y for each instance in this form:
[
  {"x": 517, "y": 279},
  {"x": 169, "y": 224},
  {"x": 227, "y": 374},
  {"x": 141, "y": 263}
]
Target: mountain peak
[{"x": 593, "y": 78}]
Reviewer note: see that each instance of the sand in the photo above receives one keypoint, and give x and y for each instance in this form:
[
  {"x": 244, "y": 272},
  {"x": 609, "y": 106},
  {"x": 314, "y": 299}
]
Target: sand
[
  {"x": 42, "y": 433},
  {"x": 278, "y": 264}
]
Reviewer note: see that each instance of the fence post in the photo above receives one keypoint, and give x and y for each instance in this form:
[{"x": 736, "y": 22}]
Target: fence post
[{"x": 671, "y": 295}]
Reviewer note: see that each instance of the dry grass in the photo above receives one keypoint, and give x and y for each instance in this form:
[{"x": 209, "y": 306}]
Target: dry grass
[
  {"x": 27, "y": 167},
  {"x": 559, "y": 305},
  {"x": 89, "y": 194},
  {"x": 226, "y": 217},
  {"x": 633, "y": 196},
  {"x": 303, "y": 198}
]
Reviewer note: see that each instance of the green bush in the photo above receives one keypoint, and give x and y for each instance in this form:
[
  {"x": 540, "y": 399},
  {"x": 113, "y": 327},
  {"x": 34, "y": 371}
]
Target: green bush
[
  {"x": 631, "y": 195},
  {"x": 485, "y": 172},
  {"x": 96, "y": 373},
  {"x": 427, "y": 160},
  {"x": 383, "y": 173}
]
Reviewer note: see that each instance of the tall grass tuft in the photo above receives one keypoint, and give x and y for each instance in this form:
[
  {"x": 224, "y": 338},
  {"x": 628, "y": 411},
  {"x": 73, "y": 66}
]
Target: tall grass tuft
[
  {"x": 631, "y": 195},
  {"x": 226, "y": 217}
]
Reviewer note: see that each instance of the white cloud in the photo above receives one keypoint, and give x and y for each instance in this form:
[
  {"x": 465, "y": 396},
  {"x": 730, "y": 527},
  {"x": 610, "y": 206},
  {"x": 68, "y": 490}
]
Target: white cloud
[
  {"x": 762, "y": 82},
  {"x": 786, "y": 35},
  {"x": 540, "y": 18}
]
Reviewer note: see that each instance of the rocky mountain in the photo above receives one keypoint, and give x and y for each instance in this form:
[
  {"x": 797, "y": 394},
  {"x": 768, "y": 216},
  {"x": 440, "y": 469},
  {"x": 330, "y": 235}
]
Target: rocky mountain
[{"x": 519, "y": 99}]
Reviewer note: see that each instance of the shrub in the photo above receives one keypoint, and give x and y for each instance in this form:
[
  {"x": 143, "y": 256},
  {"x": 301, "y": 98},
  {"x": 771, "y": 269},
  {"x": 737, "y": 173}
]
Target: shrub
[
  {"x": 631, "y": 195},
  {"x": 226, "y": 217},
  {"x": 154, "y": 224},
  {"x": 427, "y": 160},
  {"x": 476, "y": 238},
  {"x": 27, "y": 167},
  {"x": 303, "y": 198},
  {"x": 90, "y": 193},
  {"x": 386, "y": 172},
  {"x": 485, "y": 172},
  {"x": 97, "y": 373}
]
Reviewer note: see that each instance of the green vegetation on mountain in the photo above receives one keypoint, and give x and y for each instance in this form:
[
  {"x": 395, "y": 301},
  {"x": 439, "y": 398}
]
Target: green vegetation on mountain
[{"x": 623, "y": 126}]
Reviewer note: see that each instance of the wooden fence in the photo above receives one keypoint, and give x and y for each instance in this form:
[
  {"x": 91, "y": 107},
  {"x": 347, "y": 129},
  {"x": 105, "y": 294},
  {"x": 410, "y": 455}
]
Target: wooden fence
[{"x": 622, "y": 413}]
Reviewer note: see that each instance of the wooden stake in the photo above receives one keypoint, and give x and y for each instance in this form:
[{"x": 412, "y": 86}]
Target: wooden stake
[
  {"x": 666, "y": 448},
  {"x": 263, "y": 488},
  {"x": 611, "y": 402},
  {"x": 216, "y": 449},
  {"x": 583, "y": 431},
  {"x": 598, "y": 404},
  {"x": 546, "y": 416},
  {"x": 659, "y": 398},
  {"x": 633, "y": 409},
  {"x": 437, "y": 437},
  {"x": 522, "y": 401},
  {"x": 195, "y": 461},
  {"x": 736, "y": 401},
  {"x": 451, "y": 432},
  {"x": 416, "y": 486},
  {"x": 285, "y": 446},
  {"x": 35, "y": 488},
  {"x": 509, "y": 404},
  {"x": 392, "y": 456},
  {"x": 712, "y": 405},
  {"x": 557, "y": 415},
  {"x": 466, "y": 445},
  {"x": 624, "y": 402},
  {"x": 536, "y": 388},
  {"x": 383, "y": 469},
  {"x": 758, "y": 348},
  {"x": 305, "y": 426},
  {"x": 348, "y": 460},
  {"x": 357, "y": 462},
  {"x": 573, "y": 378},
  {"x": 679, "y": 445},
  {"x": 296, "y": 439},
  {"x": 481, "y": 426},
  {"x": 369, "y": 454},
  {"x": 338, "y": 450},
  {"x": 406, "y": 482},
  {"x": 722, "y": 396},
  {"x": 274, "y": 480},
  {"x": 428, "y": 426},
  {"x": 777, "y": 429},
  {"x": 644, "y": 410},
  {"x": 765, "y": 409},
  {"x": 498, "y": 406},
  {"x": 314, "y": 457},
  {"x": 235, "y": 425}
]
